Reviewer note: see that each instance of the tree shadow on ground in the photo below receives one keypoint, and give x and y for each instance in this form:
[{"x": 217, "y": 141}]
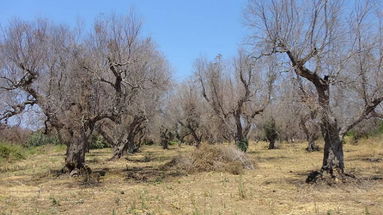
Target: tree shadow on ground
[
  {"x": 271, "y": 158},
  {"x": 366, "y": 159},
  {"x": 150, "y": 174}
]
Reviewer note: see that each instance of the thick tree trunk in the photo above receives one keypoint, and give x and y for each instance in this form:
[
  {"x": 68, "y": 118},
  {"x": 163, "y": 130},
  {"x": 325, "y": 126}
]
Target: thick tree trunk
[
  {"x": 122, "y": 147},
  {"x": 75, "y": 157},
  {"x": 333, "y": 149},
  {"x": 333, "y": 161},
  {"x": 119, "y": 150},
  {"x": 126, "y": 143}
]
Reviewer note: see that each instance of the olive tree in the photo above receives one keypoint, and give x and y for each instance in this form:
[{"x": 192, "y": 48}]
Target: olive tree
[
  {"x": 43, "y": 67},
  {"x": 189, "y": 111},
  {"x": 236, "y": 93},
  {"x": 136, "y": 74},
  {"x": 339, "y": 54}
]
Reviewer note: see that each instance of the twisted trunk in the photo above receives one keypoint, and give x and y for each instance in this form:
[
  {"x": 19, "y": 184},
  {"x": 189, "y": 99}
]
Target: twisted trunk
[
  {"x": 333, "y": 149},
  {"x": 75, "y": 157},
  {"x": 126, "y": 144},
  {"x": 333, "y": 159}
]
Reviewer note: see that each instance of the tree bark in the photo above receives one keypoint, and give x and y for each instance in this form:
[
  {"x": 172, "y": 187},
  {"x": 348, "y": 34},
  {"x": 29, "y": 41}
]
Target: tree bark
[
  {"x": 75, "y": 158},
  {"x": 333, "y": 159},
  {"x": 119, "y": 150},
  {"x": 126, "y": 143}
]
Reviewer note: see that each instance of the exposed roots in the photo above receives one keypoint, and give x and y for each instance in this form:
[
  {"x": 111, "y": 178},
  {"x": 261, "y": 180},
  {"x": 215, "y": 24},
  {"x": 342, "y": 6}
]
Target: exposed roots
[
  {"x": 77, "y": 171},
  {"x": 330, "y": 177}
]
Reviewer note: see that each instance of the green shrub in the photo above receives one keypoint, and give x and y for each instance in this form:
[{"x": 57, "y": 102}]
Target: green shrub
[
  {"x": 271, "y": 133},
  {"x": 98, "y": 142},
  {"x": 379, "y": 130},
  {"x": 171, "y": 143},
  {"x": 40, "y": 139},
  {"x": 243, "y": 145},
  {"x": 355, "y": 135},
  {"x": 149, "y": 142},
  {"x": 270, "y": 130},
  {"x": 11, "y": 152}
]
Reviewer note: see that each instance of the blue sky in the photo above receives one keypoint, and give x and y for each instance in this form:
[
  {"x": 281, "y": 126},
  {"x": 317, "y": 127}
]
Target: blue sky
[{"x": 183, "y": 30}]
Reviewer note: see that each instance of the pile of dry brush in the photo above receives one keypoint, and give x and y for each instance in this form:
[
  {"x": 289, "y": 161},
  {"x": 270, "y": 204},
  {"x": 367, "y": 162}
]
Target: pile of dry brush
[{"x": 208, "y": 158}]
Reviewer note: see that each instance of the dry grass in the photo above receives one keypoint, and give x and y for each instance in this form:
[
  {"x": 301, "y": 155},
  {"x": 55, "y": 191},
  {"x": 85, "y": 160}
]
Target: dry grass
[{"x": 140, "y": 186}]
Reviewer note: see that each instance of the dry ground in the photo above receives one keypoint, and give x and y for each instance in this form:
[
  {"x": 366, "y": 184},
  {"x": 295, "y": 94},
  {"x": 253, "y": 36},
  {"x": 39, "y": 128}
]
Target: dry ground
[{"x": 139, "y": 186}]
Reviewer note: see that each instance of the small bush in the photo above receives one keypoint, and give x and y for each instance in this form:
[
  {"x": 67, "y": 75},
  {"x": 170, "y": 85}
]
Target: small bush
[
  {"x": 148, "y": 142},
  {"x": 243, "y": 145},
  {"x": 271, "y": 133},
  {"x": 213, "y": 158},
  {"x": 365, "y": 130},
  {"x": 40, "y": 139},
  {"x": 172, "y": 143},
  {"x": 379, "y": 130},
  {"x": 98, "y": 142},
  {"x": 11, "y": 152}
]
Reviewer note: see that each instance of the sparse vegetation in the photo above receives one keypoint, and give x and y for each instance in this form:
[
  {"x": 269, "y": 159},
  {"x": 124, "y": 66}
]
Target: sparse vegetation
[
  {"x": 40, "y": 139},
  {"x": 11, "y": 152},
  {"x": 93, "y": 121},
  {"x": 275, "y": 186}
]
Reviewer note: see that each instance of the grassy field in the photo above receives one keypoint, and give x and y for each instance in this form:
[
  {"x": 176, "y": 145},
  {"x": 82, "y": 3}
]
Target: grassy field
[{"x": 138, "y": 185}]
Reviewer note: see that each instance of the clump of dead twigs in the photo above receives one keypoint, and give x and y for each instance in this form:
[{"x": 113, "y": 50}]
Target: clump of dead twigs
[{"x": 208, "y": 158}]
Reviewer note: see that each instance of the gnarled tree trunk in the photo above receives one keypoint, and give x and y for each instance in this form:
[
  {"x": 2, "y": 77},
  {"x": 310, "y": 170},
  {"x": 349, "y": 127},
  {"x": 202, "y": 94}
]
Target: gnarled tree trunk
[
  {"x": 119, "y": 150},
  {"x": 75, "y": 157},
  {"x": 126, "y": 143},
  {"x": 333, "y": 149}
]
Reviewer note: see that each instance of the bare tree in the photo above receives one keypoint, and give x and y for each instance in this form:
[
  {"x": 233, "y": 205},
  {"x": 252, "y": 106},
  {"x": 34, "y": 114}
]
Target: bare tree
[
  {"x": 137, "y": 73},
  {"x": 235, "y": 95},
  {"x": 83, "y": 82},
  {"x": 43, "y": 68},
  {"x": 311, "y": 36},
  {"x": 189, "y": 112}
]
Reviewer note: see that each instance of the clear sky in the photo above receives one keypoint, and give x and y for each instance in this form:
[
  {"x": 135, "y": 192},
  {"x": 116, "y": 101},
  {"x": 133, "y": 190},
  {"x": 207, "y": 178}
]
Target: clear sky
[{"x": 183, "y": 29}]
